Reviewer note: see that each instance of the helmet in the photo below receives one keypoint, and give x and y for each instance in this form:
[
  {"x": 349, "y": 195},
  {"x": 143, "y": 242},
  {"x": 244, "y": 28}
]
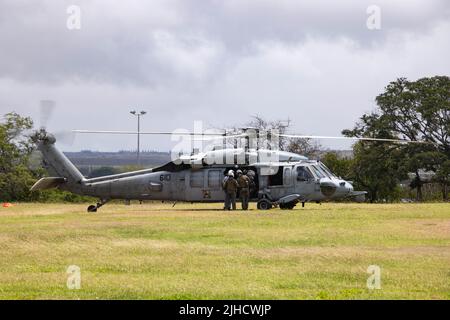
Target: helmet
[
  {"x": 239, "y": 172},
  {"x": 231, "y": 173}
]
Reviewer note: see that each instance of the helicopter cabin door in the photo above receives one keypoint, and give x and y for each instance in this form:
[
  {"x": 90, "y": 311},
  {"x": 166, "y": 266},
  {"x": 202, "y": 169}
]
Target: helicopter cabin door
[
  {"x": 205, "y": 185},
  {"x": 195, "y": 185},
  {"x": 213, "y": 189},
  {"x": 304, "y": 181},
  {"x": 280, "y": 182},
  {"x": 288, "y": 180}
]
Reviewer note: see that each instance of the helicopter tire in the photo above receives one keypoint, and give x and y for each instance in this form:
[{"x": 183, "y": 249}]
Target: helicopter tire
[
  {"x": 92, "y": 208},
  {"x": 264, "y": 204}
]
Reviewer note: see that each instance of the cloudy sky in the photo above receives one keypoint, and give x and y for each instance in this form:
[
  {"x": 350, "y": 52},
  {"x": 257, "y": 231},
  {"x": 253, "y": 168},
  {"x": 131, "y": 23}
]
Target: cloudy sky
[{"x": 313, "y": 61}]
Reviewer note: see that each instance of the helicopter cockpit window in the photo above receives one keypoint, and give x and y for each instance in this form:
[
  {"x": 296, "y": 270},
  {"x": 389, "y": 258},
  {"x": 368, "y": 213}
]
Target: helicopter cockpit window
[
  {"x": 318, "y": 173},
  {"x": 328, "y": 171},
  {"x": 324, "y": 172},
  {"x": 303, "y": 174}
]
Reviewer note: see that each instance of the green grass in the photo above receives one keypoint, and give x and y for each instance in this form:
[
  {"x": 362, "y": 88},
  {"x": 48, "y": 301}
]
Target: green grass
[{"x": 154, "y": 251}]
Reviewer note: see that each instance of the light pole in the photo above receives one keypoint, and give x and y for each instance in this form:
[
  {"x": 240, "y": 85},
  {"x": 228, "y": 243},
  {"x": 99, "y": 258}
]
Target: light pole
[{"x": 138, "y": 115}]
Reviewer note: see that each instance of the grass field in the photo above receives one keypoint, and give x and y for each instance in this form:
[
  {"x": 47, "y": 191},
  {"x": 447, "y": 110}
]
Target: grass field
[{"x": 154, "y": 251}]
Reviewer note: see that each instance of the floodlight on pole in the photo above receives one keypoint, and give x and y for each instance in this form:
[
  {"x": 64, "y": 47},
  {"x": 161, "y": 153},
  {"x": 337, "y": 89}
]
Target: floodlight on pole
[{"x": 138, "y": 115}]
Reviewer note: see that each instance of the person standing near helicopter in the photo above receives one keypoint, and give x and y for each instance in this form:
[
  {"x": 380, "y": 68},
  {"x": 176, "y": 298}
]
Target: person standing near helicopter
[
  {"x": 224, "y": 181},
  {"x": 230, "y": 186},
  {"x": 244, "y": 188}
]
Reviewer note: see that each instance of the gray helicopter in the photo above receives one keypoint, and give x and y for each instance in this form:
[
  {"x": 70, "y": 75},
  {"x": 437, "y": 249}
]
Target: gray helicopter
[{"x": 281, "y": 179}]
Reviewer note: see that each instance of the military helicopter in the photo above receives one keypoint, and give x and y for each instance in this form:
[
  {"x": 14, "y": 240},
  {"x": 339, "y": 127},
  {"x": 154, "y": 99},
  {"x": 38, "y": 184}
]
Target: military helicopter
[{"x": 281, "y": 179}]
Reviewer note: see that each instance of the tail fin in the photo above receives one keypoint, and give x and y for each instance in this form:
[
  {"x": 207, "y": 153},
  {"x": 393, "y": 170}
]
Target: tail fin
[{"x": 59, "y": 165}]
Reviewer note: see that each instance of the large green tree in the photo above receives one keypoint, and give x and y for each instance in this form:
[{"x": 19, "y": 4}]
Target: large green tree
[
  {"x": 378, "y": 168},
  {"x": 15, "y": 149},
  {"x": 412, "y": 110}
]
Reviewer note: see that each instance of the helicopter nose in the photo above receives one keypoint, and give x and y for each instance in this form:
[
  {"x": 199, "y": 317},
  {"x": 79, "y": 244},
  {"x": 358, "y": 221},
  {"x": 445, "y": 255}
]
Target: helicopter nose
[
  {"x": 344, "y": 187},
  {"x": 334, "y": 188},
  {"x": 328, "y": 187}
]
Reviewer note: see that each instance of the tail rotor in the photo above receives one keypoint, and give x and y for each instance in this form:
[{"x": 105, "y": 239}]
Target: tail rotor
[
  {"x": 41, "y": 135},
  {"x": 46, "y": 111}
]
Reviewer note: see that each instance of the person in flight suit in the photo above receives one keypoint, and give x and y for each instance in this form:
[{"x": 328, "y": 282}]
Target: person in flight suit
[
  {"x": 244, "y": 189},
  {"x": 251, "y": 176},
  {"x": 230, "y": 187}
]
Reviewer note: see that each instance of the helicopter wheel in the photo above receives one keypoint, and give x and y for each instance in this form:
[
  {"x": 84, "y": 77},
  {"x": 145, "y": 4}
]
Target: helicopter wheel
[
  {"x": 264, "y": 204},
  {"x": 92, "y": 208}
]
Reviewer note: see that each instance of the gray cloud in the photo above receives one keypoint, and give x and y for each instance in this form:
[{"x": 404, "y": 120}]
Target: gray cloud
[{"x": 217, "y": 61}]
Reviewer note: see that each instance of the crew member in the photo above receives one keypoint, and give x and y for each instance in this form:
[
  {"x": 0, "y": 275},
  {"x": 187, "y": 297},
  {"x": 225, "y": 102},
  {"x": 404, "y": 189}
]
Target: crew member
[
  {"x": 244, "y": 188},
  {"x": 223, "y": 188},
  {"x": 251, "y": 176},
  {"x": 230, "y": 187}
]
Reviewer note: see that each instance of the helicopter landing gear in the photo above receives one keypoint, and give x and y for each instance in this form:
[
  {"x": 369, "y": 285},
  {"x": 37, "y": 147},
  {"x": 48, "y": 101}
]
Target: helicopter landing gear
[
  {"x": 288, "y": 206},
  {"x": 264, "y": 204},
  {"x": 93, "y": 208}
]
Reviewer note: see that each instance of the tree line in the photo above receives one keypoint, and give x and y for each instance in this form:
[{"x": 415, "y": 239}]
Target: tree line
[{"x": 411, "y": 110}]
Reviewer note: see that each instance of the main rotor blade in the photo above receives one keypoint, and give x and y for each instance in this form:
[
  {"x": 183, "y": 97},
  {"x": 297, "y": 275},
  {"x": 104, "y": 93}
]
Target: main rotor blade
[
  {"x": 193, "y": 134},
  {"x": 149, "y": 132},
  {"x": 209, "y": 136},
  {"x": 349, "y": 138}
]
